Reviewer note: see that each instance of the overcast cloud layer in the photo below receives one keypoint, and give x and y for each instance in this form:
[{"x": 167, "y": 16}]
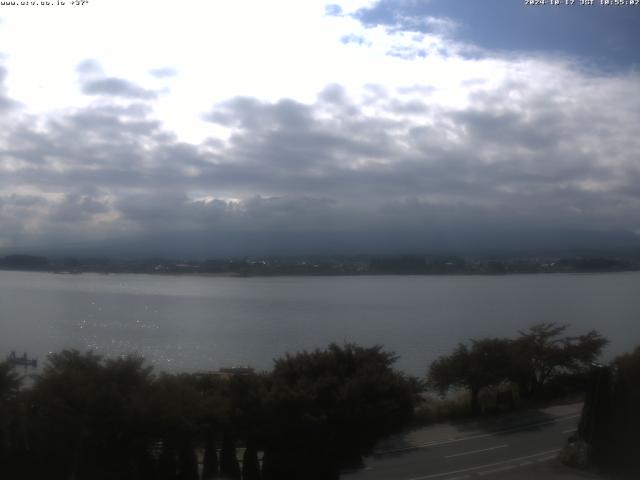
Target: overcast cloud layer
[{"x": 457, "y": 152}]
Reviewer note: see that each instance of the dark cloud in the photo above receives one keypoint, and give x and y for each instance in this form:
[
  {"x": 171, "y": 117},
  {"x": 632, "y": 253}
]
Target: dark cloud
[
  {"x": 94, "y": 82},
  {"x": 77, "y": 208},
  {"x": 599, "y": 34},
  {"x": 249, "y": 113},
  {"x": 21, "y": 201},
  {"x": 116, "y": 87}
]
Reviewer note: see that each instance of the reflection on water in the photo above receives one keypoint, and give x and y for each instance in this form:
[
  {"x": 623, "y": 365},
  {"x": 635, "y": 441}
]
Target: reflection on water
[{"x": 198, "y": 323}]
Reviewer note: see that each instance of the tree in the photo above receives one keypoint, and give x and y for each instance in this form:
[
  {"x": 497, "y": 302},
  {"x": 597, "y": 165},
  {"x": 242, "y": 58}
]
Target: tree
[
  {"x": 611, "y": 416},
  {"x": 188, "y": 462},
  {"x": 213, "y": 415},
  {"x": 210, "y": 460},
  {"x": 174, "y": 408},
  {"x": 541, "y": 352},
  {"x": 245, "y": 415},
  {"x": 622, "y": 440},
  {"x": 88, "y": 417},
  {"x": 327, "y": 408},
  {"x": 64, "y": 395},
  {"x": 484, "y": 364},
  {"x": 537, "y": 355},
  {"x": 9, "y": 382},
  {"x": 250, "y": 464},
  {"x": 229, "y": 466},
  {"x": 10, "y": 418},
  {"x": 625, "y": 422}
]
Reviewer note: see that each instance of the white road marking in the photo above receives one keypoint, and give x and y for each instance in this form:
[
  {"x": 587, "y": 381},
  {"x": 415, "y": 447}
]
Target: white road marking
[
  {"x": 475, "y": 451},
  {"x": 475, "y": 437},
  {"x": 497, "y": 470},
  {"x": 488, "y": 465},
  {"x": 571, "y": 430}
]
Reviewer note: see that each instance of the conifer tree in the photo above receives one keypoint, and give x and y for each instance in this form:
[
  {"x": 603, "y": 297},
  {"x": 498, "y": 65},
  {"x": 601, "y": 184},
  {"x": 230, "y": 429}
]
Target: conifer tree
[
  {"x": 229, "y": 466},
  {"x": 210, "y": 461},
  {"x": 188, "y": 465},
  {"x": 250, "y": 464}
]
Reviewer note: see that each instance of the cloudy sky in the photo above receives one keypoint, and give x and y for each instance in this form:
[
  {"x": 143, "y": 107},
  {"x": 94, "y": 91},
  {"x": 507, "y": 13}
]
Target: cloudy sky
[{"x": 221, "y": 127}]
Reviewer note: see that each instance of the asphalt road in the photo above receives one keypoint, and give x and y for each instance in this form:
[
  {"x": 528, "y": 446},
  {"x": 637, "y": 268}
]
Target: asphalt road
[{"x": 475, "y": 456}]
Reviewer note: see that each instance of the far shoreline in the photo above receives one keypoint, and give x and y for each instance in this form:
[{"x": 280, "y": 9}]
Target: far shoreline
[
  {"x": 329, "y": 265},
  {"x": 312, "y": 275}
]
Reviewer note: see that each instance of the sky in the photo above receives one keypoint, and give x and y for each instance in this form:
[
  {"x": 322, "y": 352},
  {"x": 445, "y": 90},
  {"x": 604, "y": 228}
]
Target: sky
[{"x": 201, "y": 128}]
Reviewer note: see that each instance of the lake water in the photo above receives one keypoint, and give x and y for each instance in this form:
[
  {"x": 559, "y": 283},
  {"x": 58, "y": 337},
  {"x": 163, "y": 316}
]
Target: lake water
[{"x": 195, "y": 323}]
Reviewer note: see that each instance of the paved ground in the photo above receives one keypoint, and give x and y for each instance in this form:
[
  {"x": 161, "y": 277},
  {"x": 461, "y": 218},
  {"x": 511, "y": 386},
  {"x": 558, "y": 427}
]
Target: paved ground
[
  {"x": 463, "y": 429},
  {"x": 518, "y": 446},
  {"x": 551, "y": 470}
]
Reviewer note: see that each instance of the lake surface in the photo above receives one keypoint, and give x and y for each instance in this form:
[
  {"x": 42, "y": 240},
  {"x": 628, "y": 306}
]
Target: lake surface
[{"x": 190, "y": 323}]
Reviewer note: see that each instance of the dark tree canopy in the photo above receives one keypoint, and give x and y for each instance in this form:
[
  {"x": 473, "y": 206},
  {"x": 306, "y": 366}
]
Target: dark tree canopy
[
  {"x": 611, "y": 416},
  {"x": 530, "y": 360},
  {"x": 10, "y": 381},
  {"x": 316, "y": 412},
  {"x": 112, "y": 419},
  {"x": 90, "y": 415},
  {"x": 333, "y": 405},
  {"x": 541, "y": 352},
  {"x": 484, "y": 363}
]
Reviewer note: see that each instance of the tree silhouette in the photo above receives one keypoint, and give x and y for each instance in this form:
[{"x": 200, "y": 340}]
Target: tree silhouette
[
  {"x": 10, "y": 382},
  {"x": 188, "y": 463},
  {"x": 540, "y": 353},
  {"x": 210, "y": 460},
  {"x": 250, "y": 464},
  {"x": 483, "y": 364},
  {"x": 229, "y": 465},
  {"x": 611, "y": 416},
  {"x": 12, "y": 440},
  {"x": 89, "y": 417},
  {"x": 530, "y": 361},
  {"x": 329, "y": 407}
]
